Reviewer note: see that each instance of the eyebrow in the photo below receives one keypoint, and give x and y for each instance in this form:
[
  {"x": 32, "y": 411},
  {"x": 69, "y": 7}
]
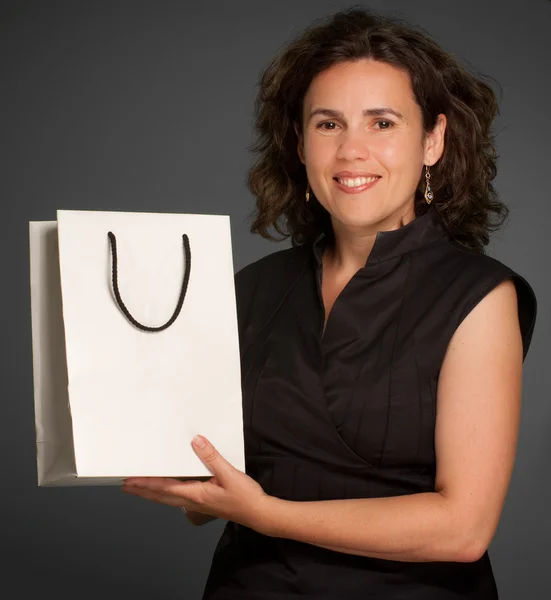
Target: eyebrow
[{"x": 368, "y": 112}]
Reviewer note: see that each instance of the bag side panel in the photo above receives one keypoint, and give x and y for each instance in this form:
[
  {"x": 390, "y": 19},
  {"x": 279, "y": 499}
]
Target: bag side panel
[{"x": 54, "y": 433}]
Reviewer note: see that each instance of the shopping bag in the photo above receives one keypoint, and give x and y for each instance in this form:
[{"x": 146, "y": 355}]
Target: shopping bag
[{"x": 135, "y": 345}]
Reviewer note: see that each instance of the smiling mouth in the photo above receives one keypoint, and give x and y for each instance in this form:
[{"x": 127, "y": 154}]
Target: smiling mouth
[{"x": 356, "y": 182}]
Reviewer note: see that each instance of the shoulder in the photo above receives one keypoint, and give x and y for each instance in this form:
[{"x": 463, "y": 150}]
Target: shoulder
[
  {"x": 472, "y": 277},
  {"x": 262, "y": 286},
  {"x": 459, "y": 258},
  {"x": 270, "y": 268},
  {"x": 277, "y": 259}
]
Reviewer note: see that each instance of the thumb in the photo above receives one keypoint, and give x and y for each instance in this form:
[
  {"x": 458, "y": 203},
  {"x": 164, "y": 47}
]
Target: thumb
[{"x": 214, "y": 461}]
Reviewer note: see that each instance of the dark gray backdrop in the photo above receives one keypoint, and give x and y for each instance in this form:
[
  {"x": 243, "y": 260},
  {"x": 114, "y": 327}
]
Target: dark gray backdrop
[{"x": 147, "y": 106}]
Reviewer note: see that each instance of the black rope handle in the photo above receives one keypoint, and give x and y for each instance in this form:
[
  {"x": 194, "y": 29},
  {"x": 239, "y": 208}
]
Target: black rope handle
[{"x": 126, "y": 312}]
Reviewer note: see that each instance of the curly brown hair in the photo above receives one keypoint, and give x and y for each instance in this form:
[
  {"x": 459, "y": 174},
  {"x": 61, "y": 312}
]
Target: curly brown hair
[{"x": 461, "y": 180}]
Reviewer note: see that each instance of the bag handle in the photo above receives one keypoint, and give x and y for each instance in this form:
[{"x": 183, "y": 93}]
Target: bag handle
[{"x": 126, "y": 312}]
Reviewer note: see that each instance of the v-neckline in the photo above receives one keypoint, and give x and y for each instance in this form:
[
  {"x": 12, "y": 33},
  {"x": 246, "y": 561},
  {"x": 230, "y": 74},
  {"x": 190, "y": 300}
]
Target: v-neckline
[
  {"x": 390, "y": 244},
  {"x": 326, "y": 318}
]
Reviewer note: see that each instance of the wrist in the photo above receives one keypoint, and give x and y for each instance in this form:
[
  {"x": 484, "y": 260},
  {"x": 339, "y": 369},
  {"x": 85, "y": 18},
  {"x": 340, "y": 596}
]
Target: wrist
[{"x": 266, "y": 514}]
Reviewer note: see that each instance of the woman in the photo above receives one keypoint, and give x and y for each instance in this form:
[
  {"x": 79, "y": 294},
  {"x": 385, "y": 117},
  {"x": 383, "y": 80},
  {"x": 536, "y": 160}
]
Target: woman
[{"x": 382, "y": 354}]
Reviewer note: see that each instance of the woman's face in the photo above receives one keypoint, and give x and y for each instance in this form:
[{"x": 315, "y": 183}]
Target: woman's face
[{"x": 363, "y": 145}]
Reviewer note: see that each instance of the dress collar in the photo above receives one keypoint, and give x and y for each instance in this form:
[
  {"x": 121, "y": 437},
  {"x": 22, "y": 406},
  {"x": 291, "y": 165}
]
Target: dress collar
[{"x": 420, "y": 231}]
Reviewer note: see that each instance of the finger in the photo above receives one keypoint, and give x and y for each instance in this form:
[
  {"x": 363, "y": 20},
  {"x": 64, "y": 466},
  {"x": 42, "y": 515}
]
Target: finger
[
  {"x": 152, "y": 496},
  {"x": 157, "y": 483},
  {"x": 213, "y": 460},
  {"x": 167, "y": 499},
  {"x": 167, "y": 486}
]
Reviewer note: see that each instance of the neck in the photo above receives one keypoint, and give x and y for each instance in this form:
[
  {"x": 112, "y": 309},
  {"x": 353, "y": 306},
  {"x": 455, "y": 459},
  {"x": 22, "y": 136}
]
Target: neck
[{"x": 352, "y": 248}]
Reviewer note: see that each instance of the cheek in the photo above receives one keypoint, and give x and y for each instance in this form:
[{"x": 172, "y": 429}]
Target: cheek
[
  {"x": 318, "y": 151},
  {"x": 393, "y": 151},
  {"x": 399, "y": 155}
]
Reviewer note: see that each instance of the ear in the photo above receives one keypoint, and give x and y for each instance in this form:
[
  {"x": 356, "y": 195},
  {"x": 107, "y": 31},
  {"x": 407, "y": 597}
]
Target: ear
[
  {"x": 300, "y": 144},
  {"x": 434, "y": 141}
]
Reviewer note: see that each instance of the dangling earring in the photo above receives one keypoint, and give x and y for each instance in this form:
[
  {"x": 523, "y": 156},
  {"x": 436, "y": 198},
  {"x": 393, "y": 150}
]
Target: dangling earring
[
  {"x": 308, "y": 191},
  {"x": 429, "y": 196}
]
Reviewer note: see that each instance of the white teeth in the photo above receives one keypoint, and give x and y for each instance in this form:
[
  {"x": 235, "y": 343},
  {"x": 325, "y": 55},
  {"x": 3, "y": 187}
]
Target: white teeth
[{"x": 356, "y": 181}]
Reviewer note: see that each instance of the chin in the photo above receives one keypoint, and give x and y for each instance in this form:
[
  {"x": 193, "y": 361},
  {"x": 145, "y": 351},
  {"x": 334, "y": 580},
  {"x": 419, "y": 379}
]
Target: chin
[
  {"x": 356, "y": 221},
  {"x": 370, "y": 216}
]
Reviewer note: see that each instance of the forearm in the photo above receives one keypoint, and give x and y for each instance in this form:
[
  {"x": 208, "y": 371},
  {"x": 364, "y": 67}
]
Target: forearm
[{"x": 411, "y": 528}]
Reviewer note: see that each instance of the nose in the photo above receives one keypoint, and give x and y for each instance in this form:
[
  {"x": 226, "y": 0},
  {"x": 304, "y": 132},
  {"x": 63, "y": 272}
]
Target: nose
[{"x": 353, "y": 145}]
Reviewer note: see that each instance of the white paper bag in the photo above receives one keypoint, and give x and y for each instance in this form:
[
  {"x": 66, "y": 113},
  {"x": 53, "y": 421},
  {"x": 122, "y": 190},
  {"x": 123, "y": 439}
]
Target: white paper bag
[{"x": 112, "y": 400}]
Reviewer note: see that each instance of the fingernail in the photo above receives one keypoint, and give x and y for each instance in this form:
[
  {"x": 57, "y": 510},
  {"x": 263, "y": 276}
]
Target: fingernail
[{"x": 199, "y": 441}]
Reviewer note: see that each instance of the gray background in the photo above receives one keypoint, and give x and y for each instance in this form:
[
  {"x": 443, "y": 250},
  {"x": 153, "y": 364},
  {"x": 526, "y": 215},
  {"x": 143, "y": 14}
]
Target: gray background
[{"x": 148, "y": 106}]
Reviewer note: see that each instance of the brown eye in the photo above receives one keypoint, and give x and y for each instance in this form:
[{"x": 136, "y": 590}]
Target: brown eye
[
  {"x": 327, "y": 125},
  {"x": 389, "y": 123}
]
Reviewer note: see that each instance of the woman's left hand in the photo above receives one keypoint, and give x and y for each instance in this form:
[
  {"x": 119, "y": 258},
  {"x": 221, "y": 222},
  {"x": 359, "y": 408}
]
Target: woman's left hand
[{"x": 229, "y": 494}]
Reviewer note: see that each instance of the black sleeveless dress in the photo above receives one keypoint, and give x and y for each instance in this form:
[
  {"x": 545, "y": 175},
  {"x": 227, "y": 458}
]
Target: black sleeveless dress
[{"x": 351, "y": 413}]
